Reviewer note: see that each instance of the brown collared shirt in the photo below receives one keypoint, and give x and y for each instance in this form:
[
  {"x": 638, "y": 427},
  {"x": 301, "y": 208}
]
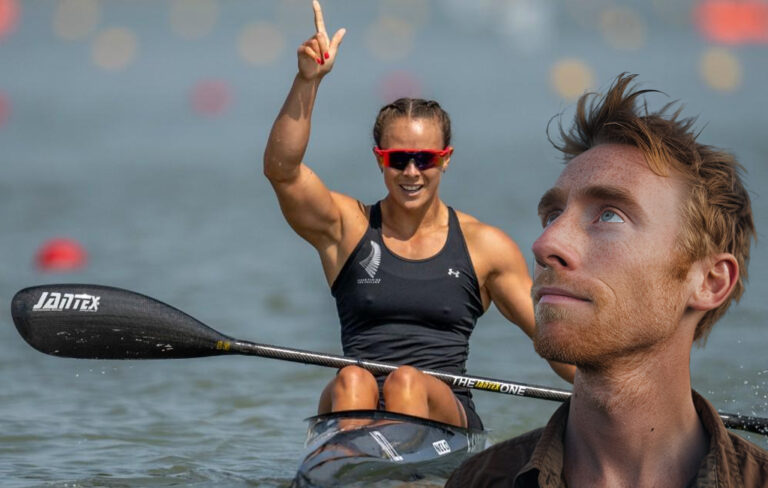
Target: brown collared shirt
[{"x": 535, "y": 459}]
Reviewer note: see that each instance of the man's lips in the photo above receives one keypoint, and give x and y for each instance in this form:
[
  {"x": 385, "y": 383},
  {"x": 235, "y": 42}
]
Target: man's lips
[{"x": 553, "y": 295}]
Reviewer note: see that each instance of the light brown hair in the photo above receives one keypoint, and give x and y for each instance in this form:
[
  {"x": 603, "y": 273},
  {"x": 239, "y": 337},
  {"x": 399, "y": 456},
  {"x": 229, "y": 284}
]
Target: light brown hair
[{"x": 717, "y": 214}]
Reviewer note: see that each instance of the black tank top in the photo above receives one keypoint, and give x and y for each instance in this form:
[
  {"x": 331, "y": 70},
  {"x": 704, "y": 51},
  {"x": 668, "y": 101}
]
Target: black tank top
[{"x": 415, "y": 312}]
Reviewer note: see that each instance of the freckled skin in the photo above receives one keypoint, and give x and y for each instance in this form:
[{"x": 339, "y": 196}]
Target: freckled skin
[{"x": 618, "y": 262}]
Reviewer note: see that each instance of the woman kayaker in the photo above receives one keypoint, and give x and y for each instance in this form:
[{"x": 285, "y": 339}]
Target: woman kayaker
[{"x": 410, "y": 275}]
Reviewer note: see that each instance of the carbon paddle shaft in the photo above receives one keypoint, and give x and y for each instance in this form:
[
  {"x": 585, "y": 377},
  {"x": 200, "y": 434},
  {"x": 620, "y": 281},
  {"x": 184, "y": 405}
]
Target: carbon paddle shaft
[
  {"x": 100, "y": 322},
  {"x": 757, "y": 425}
]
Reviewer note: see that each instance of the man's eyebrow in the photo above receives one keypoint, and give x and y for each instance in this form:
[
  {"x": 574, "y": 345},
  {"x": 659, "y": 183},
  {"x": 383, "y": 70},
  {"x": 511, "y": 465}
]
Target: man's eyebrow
[
  {"x": 618, "y": 196},
  {"x": 551, "y": 198},
  {"x": 556, "y": 197}
]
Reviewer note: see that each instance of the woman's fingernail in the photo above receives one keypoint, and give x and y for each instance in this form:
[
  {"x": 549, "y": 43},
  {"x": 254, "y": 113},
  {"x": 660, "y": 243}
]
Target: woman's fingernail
[
  {"x": 319, "y": 61},
  {"x": 327, "y": 55}
]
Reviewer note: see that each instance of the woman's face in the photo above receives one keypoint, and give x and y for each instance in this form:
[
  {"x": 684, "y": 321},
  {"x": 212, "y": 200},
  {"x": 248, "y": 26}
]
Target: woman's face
[{"x": 411, "y": 187}]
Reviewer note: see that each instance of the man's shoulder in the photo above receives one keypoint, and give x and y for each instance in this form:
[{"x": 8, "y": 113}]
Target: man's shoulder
[
  {"x": 498, "y": 465},
  {"x": 750, "y": 460}
]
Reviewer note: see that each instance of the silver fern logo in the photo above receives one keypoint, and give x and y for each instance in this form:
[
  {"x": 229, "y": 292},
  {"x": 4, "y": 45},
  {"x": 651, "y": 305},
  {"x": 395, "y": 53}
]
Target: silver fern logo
[{"x": 371, "y": 264}]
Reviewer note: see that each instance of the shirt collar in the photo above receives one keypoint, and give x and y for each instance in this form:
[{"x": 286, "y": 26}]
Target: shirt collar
[
  {"x": 719, "y": 464},
  {"x": 545, "y": 468}
]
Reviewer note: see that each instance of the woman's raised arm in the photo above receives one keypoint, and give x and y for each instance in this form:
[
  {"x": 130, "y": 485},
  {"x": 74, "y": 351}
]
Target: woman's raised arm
[{"x": 309, "y": 207}]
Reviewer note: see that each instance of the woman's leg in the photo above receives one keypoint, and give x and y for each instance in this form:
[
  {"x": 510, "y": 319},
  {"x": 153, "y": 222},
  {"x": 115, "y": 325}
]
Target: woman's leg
[
  {"x": 353, "y": 388},
  {"x": 407, "y": 390}
]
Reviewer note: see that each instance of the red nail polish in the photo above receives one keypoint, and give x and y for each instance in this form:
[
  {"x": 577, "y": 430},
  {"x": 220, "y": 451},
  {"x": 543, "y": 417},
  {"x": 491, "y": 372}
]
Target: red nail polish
[
  {"x": 319, "y": 61},
  {"x": 322, "y": 61},
  {"x": 327, "y": 55}
]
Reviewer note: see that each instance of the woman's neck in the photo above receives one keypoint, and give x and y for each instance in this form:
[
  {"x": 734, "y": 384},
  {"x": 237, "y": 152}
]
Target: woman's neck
[{"x": 404, "y": 223}]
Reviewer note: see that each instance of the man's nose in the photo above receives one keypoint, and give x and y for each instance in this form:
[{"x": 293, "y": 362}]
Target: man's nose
[{"x": 558, "y": 244}]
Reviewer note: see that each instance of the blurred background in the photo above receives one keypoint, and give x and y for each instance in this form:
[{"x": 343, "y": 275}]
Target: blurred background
[{"x": 131, "y": 136}]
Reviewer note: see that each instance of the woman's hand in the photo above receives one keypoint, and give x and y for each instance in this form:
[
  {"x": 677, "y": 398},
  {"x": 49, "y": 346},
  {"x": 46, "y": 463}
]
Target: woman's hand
[{"x": 317, "y": 54}]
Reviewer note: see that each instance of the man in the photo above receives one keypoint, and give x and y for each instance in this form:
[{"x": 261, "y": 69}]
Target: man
[{"x": 645, "y": 244}]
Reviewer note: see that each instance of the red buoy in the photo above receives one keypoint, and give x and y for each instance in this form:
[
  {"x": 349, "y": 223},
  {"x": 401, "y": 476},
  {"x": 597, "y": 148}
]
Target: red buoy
[{"x": 60, "y": 254}]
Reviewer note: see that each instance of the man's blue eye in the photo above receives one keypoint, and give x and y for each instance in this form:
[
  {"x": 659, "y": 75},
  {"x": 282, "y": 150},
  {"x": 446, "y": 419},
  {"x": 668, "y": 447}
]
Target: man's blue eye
[
  {"x": 550, "y": 218},
  {"x": 610, "y": 216}
]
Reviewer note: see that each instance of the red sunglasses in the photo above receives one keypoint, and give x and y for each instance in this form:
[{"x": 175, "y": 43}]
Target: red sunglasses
[{"x": 400, "y": 158}]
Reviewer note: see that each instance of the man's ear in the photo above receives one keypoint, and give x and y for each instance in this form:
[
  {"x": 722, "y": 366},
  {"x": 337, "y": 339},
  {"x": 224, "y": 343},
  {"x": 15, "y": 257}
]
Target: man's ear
[{"x": 719, "y": 275}]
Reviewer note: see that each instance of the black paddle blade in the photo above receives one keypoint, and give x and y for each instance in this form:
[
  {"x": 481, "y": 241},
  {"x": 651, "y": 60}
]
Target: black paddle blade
[{"x": 100, "y": 322}]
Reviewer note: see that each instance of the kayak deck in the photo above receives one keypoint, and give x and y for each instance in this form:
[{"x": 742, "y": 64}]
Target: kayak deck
[{"x": 360, "y": 446}]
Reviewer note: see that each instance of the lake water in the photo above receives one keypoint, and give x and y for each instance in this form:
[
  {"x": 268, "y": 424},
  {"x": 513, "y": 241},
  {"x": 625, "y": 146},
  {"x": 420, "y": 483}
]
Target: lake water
[{"x": 173, "y": 204}]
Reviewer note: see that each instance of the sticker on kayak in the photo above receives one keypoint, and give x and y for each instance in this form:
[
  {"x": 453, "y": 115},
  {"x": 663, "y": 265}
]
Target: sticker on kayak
[
  {"x": 388, "y": 449},
  {"x": 441, "y": 447},
  {"x": 57, "y": 302}
]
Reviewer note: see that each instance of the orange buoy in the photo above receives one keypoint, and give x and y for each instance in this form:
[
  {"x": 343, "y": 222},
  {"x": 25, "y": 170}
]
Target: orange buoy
[{"x": 60, "y": 254}]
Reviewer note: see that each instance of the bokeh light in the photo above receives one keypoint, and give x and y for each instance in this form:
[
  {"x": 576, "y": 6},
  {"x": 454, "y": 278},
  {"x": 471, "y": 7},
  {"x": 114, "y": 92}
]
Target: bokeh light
[
  {"x": 9, "y": 17},
  {"x": 398, "y": 84},
  {"x": 76, "y": 19},
  {"x": 260, "y": 43},
  {"x": 623, "y": 28},
  {"x": 390, "y": 38},
  {"x": 570, "y": 78},
  {"x": 472, "y": 16},
  {"x": 210, "y": 97},
  {"x": 732, "y": 22},
  {"x": 720, "y": 69},
  {"x": 193, "y": 19},
  {"x": 114, "y": 49},
  {"x": 292, "y": 14},
  {"x": 587, "y": 13},
  {"x": 527, "y": 23},
  {"x": 674, "y": 13},
  {"x": 5, "y": 109},
  {"x": 414, "y": 11}
]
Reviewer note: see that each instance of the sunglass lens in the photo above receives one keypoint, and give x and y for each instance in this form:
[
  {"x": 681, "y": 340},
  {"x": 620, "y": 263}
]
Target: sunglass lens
[
  {"x": 425, "y": 160},
  {"x": 399, "y": 159},
  {"x": 422, "y": 159}
]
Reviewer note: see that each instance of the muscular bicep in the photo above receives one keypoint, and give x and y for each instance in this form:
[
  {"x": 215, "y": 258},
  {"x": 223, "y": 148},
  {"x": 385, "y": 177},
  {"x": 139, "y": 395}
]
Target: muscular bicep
[
  {"x": 509, "y": 287},
  {"x": 309, "y": 207},
  {"x": 506, "y": 279}
]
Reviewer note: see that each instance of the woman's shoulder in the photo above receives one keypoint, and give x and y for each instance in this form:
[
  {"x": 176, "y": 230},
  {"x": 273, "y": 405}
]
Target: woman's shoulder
[
  {"x": 476, "y": 230},
  {"x": 491, "y": 248},
  {"x": 351, "y": 206}
]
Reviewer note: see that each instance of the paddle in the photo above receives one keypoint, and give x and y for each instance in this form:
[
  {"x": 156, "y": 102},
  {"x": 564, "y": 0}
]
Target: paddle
[{"x": 100, "y": 322}]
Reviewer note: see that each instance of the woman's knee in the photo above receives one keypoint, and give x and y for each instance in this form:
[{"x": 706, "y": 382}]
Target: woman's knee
[
  {"x": 403, "y": 378},
  {"x": 354, "y": 377}
]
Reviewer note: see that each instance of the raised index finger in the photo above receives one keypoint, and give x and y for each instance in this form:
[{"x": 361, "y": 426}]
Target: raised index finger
[{"x": 319, "y": 22}]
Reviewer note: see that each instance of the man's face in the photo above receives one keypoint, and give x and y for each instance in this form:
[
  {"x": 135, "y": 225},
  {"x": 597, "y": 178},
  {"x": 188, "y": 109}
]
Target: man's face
[{"x": 607, "y": 276}]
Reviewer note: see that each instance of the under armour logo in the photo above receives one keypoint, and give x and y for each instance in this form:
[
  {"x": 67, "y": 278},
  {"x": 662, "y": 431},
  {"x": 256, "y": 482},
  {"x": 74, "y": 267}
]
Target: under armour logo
[{"x": 453, "y": 273}]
